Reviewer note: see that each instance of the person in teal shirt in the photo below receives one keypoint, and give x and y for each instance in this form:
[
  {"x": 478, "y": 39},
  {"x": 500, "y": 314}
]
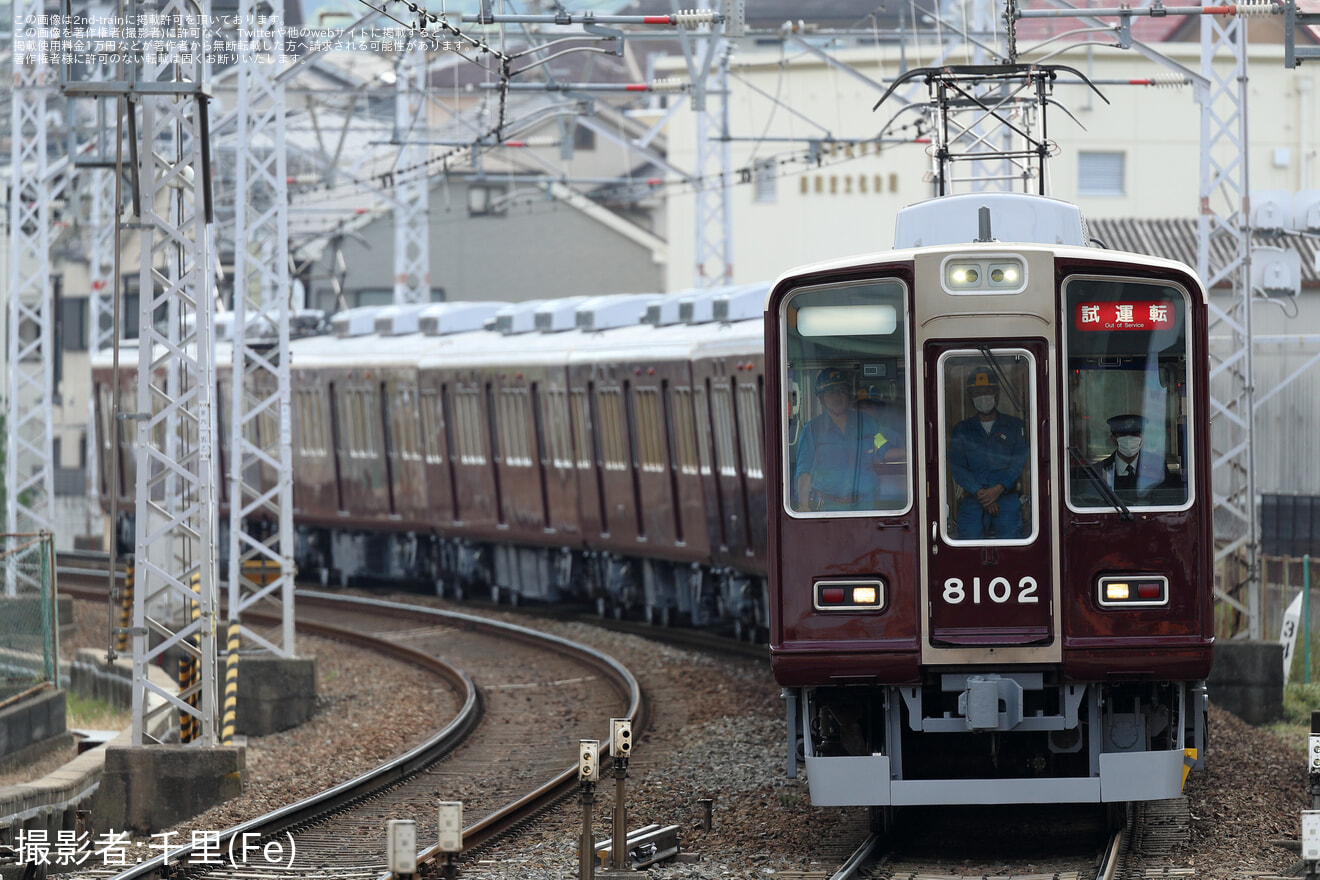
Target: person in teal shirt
[{"x": 833, "y": 467}]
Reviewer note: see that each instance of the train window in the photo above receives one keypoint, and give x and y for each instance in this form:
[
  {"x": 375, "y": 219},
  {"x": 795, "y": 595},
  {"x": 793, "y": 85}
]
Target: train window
[
  {"x": 1126, "y": 350},
  {"x": 513, "y": 427},
  {"x": 703, "y": 430},
  {"x": 722, "y": 415},
  {"x": 649, "y": 436},
  {"x": 299, "y": 413},
  {"x": 371, "y": 421},
  {"x": 683, "y": 430},
  {"x": 404, "y": 422},
  {"x": 320, "y": 419},
  {"x": 554, "y": 415},
  {"x": 749, "y": 429},
  {"x": 432, "y": 427},
  {"x": 351, "y": 419},
  {"x": 467, "y": 416},
  {"x": 614, "y": 451},
  {"x": 987, "y": 400},
  {"x": 582, "y": 427},
  {"x": 847, "y": 432},
  {"x": 359, "y": 423}
]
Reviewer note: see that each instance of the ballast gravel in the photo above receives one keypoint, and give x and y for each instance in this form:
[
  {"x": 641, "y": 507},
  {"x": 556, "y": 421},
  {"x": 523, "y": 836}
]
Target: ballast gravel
[{"x": 715, "y": 732}]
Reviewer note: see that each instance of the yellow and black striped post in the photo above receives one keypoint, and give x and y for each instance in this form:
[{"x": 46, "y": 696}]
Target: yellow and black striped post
[
  {"x": 125, "y": 609},
  {"x": 190, "y": 670},
  {"x": 230, "y": 708}
]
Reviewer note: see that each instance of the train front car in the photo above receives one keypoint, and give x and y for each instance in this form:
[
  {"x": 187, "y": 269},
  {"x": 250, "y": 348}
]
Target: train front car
[{"x": 990, "y": 544}]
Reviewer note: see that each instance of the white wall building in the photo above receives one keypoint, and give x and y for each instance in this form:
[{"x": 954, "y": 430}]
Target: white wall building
[{"x": 1137, "y": 157}]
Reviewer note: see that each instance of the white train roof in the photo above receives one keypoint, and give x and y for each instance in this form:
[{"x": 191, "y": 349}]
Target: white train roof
[
  {"x": 1013, "y": 218},
  {"x": 355, "y": 322},
  {"x": 616, "y": 310},
  {"x": 398, "y": 320},
  {"x": 519, "y": 317},
  {"x": 745, "y": 303},
  {"x": 442, "y": 319},
  {"x": 558, "y": 315}
]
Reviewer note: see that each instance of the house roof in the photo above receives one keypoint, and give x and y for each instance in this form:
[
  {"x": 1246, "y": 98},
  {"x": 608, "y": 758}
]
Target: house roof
[{"x": 1177, "y": 240}]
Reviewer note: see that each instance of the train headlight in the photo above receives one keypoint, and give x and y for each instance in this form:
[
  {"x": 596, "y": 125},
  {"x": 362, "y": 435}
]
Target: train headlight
[
  {"x": 859, "y": 595},
  {"x": 1133, "y": 591},
  {"x": 1004, "y": 275},
  {"x": 989, "y": 275},
  {"x": 962, "y": 276}
]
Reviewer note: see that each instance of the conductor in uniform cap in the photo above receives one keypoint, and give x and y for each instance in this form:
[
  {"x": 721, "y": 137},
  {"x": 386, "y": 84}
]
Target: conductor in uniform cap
[
  {"x": 1134, "y": 475},
  {"x": 987, "y": 453}
]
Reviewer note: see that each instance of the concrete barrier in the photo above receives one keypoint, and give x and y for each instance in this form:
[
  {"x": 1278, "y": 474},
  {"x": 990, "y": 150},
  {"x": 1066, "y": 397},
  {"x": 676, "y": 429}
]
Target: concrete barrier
[
  {"x": 1247, "y": 680},
  {"x": 274, "y": 693},
  {"x": 146, "y": 789},
  {"x": 32, "y": 727}
]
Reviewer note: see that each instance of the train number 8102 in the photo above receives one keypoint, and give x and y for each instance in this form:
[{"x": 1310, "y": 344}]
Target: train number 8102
[{"x": 999, "y": 591}]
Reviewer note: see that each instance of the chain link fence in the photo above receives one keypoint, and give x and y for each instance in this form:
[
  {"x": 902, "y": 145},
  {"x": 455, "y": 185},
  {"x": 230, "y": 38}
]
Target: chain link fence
[{"x": 29, "y": 625}]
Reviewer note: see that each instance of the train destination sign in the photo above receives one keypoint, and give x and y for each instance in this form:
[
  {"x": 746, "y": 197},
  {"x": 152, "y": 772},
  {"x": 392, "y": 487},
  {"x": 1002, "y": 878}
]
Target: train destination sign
[{"x": 1124, "y": 316}]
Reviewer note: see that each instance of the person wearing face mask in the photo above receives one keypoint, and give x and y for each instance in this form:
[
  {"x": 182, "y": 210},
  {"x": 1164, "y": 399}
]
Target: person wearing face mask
[
  {"x": 987, "y": 453},
  {"x": 1135, "y": 476}
]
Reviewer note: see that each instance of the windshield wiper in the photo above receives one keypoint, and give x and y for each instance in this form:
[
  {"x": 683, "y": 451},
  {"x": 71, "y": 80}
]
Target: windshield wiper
[
  {"x": 1105, "y": 489},
  {"x": 993, "y": 361}
]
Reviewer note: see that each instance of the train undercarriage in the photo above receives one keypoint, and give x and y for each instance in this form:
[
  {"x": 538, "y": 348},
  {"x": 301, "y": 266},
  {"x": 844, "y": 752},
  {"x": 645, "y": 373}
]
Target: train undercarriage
[{"x": 987, "y": 738}]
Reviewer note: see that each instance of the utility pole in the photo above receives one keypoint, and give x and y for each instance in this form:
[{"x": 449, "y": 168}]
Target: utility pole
[{"x": 29, "y": 473}]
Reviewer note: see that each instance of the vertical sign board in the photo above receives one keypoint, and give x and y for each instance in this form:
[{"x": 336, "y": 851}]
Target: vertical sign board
[
  {"x": 1292, "y": 619},
  {"x": 402, "y": 846},
  {"x": 1310, "y": 835},
  {"x": 451, "y": 826}
]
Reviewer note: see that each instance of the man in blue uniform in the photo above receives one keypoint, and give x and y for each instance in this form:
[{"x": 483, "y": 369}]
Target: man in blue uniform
[
  {"x": 1137, "y": 477},
  {"x": 833, "y": 467},
  {"x": 987, "y": 453}
]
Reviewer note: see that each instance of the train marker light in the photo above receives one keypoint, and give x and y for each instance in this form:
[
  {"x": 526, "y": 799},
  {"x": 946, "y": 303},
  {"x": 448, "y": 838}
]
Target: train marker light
[
  {"x": 864, "y": 595},
  {"x": 1139, "y": 591},
  {"x": 858, "y": 595}
]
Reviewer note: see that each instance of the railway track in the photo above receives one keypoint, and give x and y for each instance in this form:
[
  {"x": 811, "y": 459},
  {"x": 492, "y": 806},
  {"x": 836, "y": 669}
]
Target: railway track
[
  {"x": 1120, "y": 860},
  {"x": 341, "y": 832},
  {"x": 935, "y": 851}
]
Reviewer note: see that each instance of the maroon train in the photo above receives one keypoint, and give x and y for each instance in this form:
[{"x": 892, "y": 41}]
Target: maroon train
[
  {"x": 569, "y": 451},
  {"x": 963, "y": 605},
  {"x": 988, "y": 608}
]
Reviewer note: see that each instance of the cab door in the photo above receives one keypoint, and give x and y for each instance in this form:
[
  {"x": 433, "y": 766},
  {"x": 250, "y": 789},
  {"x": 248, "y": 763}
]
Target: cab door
[{"x": 988, "y": 560}]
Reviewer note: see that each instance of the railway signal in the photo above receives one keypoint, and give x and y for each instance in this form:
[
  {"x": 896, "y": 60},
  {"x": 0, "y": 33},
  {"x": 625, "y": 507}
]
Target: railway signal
[
  {"x": 620, "y": 749},
  {"x": 588, "y": 773}
]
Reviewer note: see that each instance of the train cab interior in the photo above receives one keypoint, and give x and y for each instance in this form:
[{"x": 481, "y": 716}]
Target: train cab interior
[
  {"x": 849, "y": 425},
  {"x": 1127, "y": 351},
  {"x": 987, "y": 407}
]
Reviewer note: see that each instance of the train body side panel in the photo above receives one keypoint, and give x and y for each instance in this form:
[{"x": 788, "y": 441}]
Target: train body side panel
[{"x": 314, "y": 496}]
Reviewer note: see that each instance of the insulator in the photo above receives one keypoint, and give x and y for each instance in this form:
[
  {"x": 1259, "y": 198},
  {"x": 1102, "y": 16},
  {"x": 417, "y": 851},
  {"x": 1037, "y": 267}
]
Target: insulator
[
  {"x": 689, "y": 18},
  {"x": 1256, "y": 8},
  {"x": 1168, "y": 80},
  {"x": 668, "y": 84}
]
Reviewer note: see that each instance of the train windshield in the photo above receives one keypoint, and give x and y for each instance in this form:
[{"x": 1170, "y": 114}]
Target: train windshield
[
  {"x": 986, "y": 420},
  {"x": 1127, "y": 350},
  {"x": 848, "y": 426}
]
